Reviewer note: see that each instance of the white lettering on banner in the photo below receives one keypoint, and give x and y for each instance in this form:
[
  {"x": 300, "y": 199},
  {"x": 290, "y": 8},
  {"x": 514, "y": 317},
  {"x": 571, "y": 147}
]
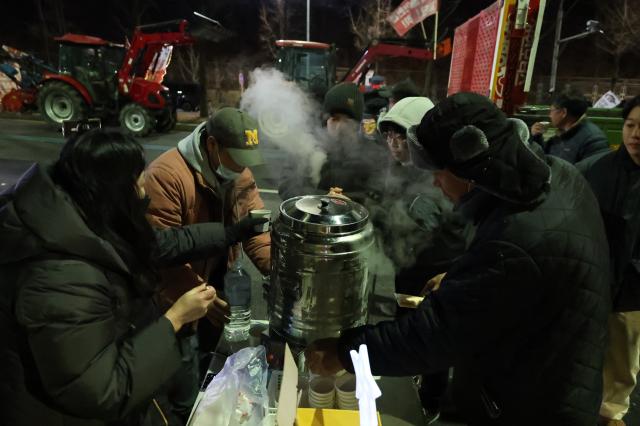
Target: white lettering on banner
[
  {"x": 523, "y": 58},
  {"x": 502, "y": 62},
  {"x": 428, "y": 10},
  {"x": 410, "y": 13}
]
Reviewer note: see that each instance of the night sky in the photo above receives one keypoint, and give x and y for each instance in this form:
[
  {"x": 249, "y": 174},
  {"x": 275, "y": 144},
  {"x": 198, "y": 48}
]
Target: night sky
[{"x": 330, "y": 22}]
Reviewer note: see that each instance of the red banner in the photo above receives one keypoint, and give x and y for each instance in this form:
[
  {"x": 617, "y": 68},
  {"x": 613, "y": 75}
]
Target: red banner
[
  {"x": 494, "y": 52},
  {"x": 410, "y": 13}
]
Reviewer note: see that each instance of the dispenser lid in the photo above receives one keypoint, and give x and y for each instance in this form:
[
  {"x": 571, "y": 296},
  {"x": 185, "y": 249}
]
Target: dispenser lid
[{"x": 324, "y": 213}]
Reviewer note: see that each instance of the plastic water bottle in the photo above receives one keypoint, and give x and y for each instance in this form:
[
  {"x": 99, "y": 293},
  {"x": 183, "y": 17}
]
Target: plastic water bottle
[{"x": 237, "y": 289}]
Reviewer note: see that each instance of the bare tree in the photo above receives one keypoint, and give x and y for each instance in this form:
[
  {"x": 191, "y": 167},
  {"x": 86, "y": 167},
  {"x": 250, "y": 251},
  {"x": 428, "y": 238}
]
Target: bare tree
[
  {"x": 44, "y": 28},
  {"x": 274, "y": 23},
  {"x": 57, "y": 7},
  {"x": 130, "y": 13},
  {"x": 620, "y": 21},
  {"x": 370, "y": 23},
  {"x": 188, "y": 63},
  {"x": 52, "y": 21}
]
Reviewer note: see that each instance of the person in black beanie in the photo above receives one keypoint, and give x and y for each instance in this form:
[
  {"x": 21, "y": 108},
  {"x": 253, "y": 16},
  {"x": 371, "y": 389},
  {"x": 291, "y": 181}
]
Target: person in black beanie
[
  {"x": 522, "y": 315},
  {"x": 403, "y": 89},
  {"x": 351, "y": 161}
]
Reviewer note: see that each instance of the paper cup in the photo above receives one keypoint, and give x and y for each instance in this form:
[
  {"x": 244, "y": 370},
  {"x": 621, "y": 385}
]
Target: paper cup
[
  {"x": 322, "y": 392},
  {"x": 322, "y": 403},
  {"x": 261, "y": 213},
  {"x": 346, "y": 392},
  {"x": 327, "y": 399},
  {"x": 354, "y": 407},
  {"x": 346, "y": 384}
]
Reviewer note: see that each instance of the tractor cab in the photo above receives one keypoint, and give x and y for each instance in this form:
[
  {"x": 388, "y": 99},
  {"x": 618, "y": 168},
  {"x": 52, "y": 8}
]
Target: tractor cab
[
  {"x": 94, "y": 63},
  {"x": 310, "y": 64}
]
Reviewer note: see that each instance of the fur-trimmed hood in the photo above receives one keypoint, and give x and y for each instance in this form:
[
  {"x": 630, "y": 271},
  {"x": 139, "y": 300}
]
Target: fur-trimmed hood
[{"x": 467, "y": 134}]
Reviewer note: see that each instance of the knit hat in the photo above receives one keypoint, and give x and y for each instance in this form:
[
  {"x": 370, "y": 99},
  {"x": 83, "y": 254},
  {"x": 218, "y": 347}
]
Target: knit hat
[
  {"x": 237, "y": 131},
  {"x": 403, "y": 89},
  {"x": 467, "y": 134},
  {"x": 345, "y": 98},
  {"x": 373, "y": 102}
]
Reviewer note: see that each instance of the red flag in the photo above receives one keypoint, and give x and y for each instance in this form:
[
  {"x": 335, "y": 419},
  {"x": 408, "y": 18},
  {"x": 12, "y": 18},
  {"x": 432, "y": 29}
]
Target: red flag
[{"x": 410, "y": 13}]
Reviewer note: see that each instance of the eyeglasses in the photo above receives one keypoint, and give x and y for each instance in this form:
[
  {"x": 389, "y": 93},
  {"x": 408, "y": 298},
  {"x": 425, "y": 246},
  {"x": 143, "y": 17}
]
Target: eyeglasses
[{"x": 394, "y": 138}]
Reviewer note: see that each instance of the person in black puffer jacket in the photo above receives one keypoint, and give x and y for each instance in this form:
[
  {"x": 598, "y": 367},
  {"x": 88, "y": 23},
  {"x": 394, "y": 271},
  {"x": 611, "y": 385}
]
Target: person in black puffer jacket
[
  {"x": 615, "y": 179},
  {"x": 522, "y": 315},
  {"x": 83, "y": 342}
]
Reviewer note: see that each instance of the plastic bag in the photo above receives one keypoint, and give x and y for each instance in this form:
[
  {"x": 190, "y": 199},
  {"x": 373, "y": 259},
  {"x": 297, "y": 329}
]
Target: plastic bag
[{"x": 237, "y": 396}]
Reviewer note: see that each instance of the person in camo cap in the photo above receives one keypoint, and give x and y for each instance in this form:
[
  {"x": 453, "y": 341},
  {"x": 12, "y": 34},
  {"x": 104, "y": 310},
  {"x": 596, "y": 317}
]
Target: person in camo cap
[{"x": 351, "y": 160}]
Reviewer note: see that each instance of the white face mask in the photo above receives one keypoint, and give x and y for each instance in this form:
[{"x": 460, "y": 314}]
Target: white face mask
[{"x": 225, "y": 173}]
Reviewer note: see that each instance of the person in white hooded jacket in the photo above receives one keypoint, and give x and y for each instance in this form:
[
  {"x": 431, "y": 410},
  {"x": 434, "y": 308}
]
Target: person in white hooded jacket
[
  {"x": 410, "y": 211},
  {"x": 420, "y": 233}
]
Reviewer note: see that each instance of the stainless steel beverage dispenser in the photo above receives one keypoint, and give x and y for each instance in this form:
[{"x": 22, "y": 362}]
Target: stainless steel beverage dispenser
[{"x": 320, "y": 280}]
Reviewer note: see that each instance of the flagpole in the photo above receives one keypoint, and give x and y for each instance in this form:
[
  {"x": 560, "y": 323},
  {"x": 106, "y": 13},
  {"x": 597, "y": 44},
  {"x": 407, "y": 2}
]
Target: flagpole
[
  {"x": 435, "y": 37},
  {"x": 424, "y": 33}
]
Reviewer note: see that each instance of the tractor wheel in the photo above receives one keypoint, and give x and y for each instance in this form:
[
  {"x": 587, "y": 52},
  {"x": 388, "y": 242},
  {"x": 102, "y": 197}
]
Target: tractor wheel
[
  {"x": 60, "y": 102},
  {"x": 136, "y": 119},
  {"x": 166, "y": 121}
]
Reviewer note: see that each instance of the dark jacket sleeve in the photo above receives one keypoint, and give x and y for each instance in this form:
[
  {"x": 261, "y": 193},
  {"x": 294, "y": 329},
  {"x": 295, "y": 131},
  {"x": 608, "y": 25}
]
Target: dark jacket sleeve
[
  {"x": 87, "y": 370},
  {"x": 168, "y": 195},
  {"x": 539, "y": 140},
  {"x": 179, "y": 245},
  {"x": 488, "y": 291},
  {"x": 594, "y": 143}
]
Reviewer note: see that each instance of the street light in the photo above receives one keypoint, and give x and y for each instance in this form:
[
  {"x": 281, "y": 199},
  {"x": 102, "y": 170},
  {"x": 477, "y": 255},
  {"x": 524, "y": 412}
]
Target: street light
[
  {"x": 592, "y": 27},
  {"x": 308, "y": 19}
]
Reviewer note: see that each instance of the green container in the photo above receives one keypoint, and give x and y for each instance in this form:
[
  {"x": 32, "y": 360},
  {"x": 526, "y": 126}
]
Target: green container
[{"x": 608, "y": 119}]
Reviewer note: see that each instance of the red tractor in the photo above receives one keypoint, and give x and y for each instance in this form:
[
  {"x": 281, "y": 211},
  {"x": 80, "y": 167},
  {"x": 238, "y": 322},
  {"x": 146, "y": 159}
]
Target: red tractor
[{"x": 97, "y": 78}]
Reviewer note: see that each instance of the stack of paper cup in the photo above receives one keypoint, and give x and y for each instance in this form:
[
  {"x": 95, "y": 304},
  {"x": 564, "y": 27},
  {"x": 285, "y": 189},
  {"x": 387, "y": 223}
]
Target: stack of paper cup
[
  {"x": 346, "y": 392},
  {"x": 321, "y": 392}
]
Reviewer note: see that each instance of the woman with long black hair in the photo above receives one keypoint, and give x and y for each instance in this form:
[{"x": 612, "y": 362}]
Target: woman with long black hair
[{"x": 82, "y": 340}]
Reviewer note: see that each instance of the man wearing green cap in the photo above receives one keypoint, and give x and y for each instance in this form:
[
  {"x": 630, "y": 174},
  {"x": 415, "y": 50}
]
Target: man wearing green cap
[{"x": 207, "y": 179}]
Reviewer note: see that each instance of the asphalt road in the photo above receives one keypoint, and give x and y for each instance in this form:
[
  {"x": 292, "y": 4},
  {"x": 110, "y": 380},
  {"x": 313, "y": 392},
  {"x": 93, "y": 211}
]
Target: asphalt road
[{"x": 34, "y": 141}]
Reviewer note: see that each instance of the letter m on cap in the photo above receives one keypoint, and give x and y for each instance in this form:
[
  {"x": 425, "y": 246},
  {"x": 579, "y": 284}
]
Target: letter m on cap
[{"x": 252, "y": 137}]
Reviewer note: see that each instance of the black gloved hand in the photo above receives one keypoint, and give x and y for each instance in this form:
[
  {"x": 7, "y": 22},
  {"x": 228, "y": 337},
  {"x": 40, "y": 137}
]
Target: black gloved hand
[{"x": 243, "y": 230}]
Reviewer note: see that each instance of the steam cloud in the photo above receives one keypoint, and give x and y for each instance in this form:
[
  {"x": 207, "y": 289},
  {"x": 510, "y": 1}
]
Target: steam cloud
[{"x": 287, "y": 117}]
